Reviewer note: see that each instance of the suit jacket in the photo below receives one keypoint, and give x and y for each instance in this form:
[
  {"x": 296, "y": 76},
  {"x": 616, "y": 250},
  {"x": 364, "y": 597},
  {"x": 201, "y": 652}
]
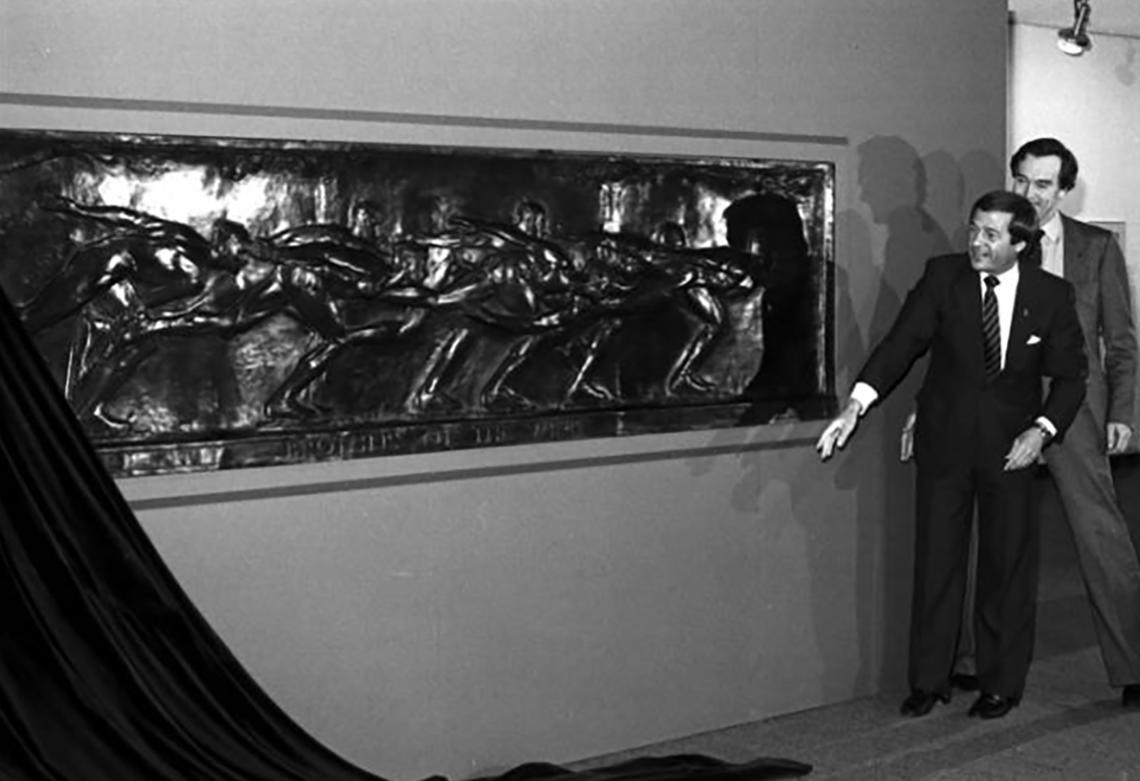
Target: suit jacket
[
  {"x": 943, "y": 315},
  {"x": 1095, "y": 266}
]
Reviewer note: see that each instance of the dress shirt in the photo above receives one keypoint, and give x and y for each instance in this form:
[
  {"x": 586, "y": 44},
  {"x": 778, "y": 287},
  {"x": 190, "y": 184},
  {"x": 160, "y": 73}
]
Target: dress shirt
[{"x": 1053, "y": 246}]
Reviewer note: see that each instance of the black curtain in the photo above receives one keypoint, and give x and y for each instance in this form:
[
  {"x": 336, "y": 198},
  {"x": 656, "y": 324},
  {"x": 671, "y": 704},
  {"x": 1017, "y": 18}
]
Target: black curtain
[{"x": 107, "y": 670}]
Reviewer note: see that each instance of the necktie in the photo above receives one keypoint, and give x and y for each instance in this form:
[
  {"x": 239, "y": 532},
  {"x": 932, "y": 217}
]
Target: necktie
[{"x": 991, "y": 329}]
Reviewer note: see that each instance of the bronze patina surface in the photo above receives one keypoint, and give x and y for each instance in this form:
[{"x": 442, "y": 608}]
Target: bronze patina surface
[{"x": 217, "y": 303}]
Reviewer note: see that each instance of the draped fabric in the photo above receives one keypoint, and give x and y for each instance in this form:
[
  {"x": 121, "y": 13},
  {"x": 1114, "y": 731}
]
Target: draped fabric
[{"x": 107, "y": 670}]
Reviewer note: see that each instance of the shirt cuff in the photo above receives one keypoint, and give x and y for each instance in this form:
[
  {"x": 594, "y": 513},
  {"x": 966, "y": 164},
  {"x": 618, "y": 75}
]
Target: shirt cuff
[
  {"x": 865, "y": 395},
  {"x": 1047, "y": 424}
]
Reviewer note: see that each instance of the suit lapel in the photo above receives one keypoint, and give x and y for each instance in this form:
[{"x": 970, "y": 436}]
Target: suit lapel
[
  {"x": 968, "y": 291},
  {"x": 1022, "y": 307},
  {"x": 1075, "y": 246}
]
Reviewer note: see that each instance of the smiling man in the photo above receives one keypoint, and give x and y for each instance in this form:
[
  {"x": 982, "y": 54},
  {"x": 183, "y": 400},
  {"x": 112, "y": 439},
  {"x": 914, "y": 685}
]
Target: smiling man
[
  {"x": 1045, "y": 171},
  {"x": 994, "y": 328}
]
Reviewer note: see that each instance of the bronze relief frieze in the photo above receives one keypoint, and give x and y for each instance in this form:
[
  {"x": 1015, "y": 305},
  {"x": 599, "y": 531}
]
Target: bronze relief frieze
[{"x": 220, "y": 303}]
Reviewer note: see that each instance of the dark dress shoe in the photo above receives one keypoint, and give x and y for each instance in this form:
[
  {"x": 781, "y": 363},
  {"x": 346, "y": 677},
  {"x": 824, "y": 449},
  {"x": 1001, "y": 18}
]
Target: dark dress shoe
[
  {"x": 993, "y": 706},
  {"x": 964, "y": 681},
  {"x": 920, "y": 702},
  {"x": 1130, "y": 698}
]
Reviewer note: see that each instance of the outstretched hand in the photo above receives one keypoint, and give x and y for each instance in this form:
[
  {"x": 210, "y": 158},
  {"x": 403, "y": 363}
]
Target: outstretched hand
[{"x": 839, "y": 430}]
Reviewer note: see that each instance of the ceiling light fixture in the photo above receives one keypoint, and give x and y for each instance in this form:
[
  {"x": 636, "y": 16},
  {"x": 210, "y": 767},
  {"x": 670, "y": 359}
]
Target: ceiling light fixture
[{"x": 1074, "y": 40}]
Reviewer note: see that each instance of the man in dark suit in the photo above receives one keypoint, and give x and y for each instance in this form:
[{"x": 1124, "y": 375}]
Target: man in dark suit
[{"x": 994, "y": 329}]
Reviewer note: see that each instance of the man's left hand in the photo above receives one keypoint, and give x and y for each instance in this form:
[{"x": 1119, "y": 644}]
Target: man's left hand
[
  {"x": 1119, "y": 435},
  {"x": 1026, "y": 448}
]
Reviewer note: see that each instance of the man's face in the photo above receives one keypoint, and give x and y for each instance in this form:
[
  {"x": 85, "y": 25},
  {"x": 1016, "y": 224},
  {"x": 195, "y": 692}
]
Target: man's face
[
  {"x": 1037, "y": 178},
  {"x": 991, "y": 247}
]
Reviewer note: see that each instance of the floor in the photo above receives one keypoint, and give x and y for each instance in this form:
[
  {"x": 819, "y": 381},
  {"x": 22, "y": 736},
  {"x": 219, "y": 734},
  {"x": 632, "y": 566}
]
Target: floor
[{"x": 1069, "y": 726}]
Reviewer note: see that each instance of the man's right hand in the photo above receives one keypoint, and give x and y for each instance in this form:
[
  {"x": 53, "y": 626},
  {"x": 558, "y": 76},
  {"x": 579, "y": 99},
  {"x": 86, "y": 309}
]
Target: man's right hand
[
  {"x": 839, "y": 430},
  {"x": 906, "y": 439}
]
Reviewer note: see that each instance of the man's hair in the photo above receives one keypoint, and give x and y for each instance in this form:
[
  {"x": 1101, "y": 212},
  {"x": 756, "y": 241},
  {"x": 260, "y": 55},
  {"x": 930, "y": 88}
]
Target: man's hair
[
  {"x": 1022, "y": 222},
  {"x": 1048, "y": 147}
]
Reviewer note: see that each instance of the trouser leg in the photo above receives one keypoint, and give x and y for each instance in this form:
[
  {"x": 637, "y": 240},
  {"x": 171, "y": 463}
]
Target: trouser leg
[
  {"x": 1008, "y": 555},
  {"x": 1107, "y": 557},
  {"x": 944, "y": 507},
  {"x": 964, "y": 658}
]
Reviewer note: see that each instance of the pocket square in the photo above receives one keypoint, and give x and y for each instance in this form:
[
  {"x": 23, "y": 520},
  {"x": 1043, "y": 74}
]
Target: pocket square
[{"x": 1032, "y": 340}]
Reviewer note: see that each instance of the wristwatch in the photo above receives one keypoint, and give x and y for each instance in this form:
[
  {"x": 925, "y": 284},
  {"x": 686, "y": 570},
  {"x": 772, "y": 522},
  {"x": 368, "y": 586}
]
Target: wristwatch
[{"x": 1045, "y": 432}]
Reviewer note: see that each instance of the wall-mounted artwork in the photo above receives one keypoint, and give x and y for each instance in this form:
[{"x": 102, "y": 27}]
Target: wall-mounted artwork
[{"x": 219, "y": 303}]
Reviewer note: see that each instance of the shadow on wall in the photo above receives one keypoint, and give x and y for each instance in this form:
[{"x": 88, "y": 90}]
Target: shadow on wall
[
  {"x": 892, "y": 185},
  {"x": 916, "y": 201},
  {"x": 1126, "y": 71},
  {"x": 981, "y": 172},
  {"x": 945, "y": 195}
]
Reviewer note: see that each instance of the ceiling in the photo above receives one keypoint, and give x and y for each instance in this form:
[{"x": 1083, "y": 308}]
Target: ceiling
[{"x": 1121, "y": 17}]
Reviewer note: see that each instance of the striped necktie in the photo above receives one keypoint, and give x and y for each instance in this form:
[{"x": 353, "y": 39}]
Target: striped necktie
[{"x": 991, "y": 329}]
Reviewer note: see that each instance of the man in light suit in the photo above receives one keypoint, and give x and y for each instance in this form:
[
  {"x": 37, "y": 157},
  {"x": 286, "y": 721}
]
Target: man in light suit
[
  {"x": 994, "y": 329},
  {"x": 1044, "y": 171}
]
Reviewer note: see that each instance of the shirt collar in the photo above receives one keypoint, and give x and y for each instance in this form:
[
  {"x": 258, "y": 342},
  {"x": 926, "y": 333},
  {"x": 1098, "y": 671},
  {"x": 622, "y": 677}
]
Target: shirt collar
[
  {"x": 1052, "y": 228},
  {"x": 1009, "y": 277}
]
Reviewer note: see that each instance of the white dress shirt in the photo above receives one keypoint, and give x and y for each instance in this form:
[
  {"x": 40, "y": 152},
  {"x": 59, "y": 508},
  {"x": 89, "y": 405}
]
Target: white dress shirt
[{"x": 1053, "y": 246}]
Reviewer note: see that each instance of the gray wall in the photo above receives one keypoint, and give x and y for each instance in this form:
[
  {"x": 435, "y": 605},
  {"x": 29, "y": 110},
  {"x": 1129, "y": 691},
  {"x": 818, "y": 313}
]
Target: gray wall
[{"x": 460, "y": 612}]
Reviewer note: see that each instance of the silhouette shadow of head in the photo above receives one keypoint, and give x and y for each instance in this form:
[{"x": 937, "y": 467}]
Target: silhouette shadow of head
[{"x": 769, "y": 228}]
